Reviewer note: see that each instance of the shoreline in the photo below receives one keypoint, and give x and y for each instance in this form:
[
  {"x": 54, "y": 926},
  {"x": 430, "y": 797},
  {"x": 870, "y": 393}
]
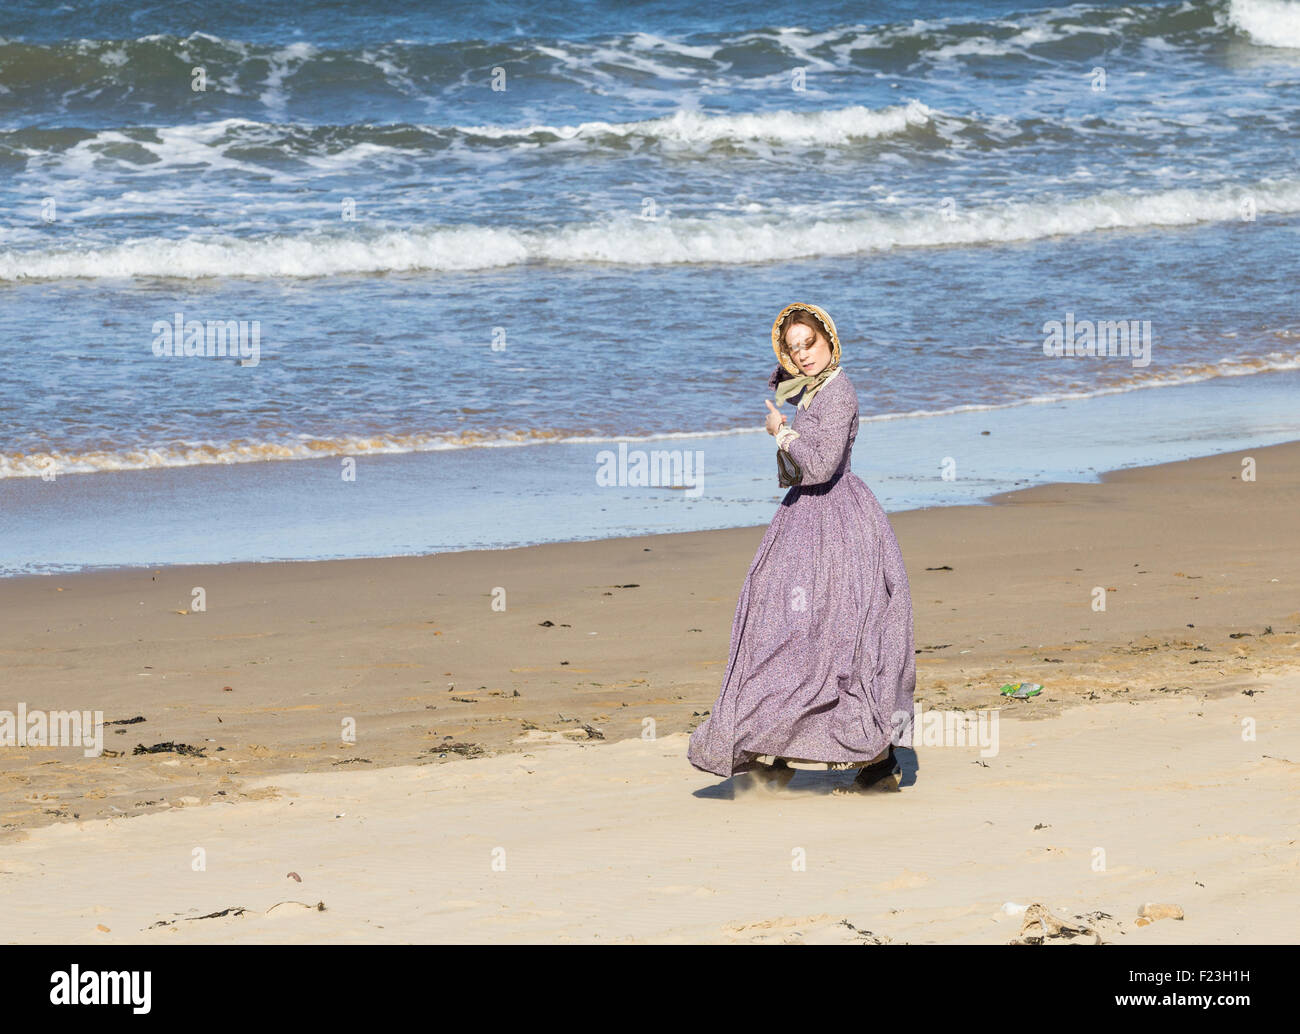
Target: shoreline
[
  {"x": 1254, "y": 365},
  {"x": 992, "y": 499},
  {"x": 613, "y": 633},
  {"x": 421, "y": 504}
]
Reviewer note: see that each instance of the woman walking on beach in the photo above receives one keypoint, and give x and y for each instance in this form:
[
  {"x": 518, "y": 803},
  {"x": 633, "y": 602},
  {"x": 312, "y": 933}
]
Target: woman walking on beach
[{"x": 821, "y": 665}]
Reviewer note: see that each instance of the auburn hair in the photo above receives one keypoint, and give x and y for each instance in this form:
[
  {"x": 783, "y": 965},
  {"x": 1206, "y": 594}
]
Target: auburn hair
[{"x": 808, "y": 320}]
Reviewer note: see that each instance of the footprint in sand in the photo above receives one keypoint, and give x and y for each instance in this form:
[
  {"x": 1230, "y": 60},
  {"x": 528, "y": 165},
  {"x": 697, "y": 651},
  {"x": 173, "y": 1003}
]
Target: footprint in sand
[
  {"x": 906, "y": 881},
  {"x": 815, "y": 929}
]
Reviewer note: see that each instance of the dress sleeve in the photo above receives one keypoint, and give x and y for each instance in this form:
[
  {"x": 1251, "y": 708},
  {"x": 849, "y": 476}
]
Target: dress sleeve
[{"x": 823, "y": 435}]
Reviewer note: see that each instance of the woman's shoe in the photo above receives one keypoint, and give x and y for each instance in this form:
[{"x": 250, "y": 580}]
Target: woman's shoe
[
  {"x": 778, "y": 772},
  {"x": 872, "y": 775}
]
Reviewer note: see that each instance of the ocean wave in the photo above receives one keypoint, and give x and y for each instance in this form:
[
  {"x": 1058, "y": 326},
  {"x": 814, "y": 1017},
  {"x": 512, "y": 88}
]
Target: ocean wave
[
  {"x": 200, "y": 454},
  {"x": 191, "y": 454},
  {"x": 1269, "y": 23},
  {"x": 809, "y": 232},
  {"x": 254, "y": 146},
  {"x": 197, "y": 454},
  {"x": 835, "y": 126},
  {"x": 150, "y": 75},
  {"x": 288, "y": 152}
]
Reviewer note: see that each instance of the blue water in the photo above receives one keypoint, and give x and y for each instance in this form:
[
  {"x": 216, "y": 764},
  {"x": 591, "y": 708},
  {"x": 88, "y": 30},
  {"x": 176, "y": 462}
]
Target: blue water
[{"x": 430, "y": 267}]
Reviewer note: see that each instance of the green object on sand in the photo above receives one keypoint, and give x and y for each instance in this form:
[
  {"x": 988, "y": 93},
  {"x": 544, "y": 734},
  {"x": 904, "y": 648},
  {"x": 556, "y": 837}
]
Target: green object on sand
[{"x": 1021, "y": 690}]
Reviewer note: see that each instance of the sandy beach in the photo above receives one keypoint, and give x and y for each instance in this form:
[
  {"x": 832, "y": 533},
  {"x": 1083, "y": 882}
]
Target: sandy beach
[{"x": 504, "y": 785}]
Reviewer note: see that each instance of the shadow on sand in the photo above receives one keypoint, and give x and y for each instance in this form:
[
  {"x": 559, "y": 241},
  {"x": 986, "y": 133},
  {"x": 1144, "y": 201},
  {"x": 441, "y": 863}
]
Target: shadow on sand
[{"x": 813, "y": 782}]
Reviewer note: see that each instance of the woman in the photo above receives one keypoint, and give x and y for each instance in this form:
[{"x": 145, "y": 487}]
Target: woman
[{"x": 821, "y": 665}]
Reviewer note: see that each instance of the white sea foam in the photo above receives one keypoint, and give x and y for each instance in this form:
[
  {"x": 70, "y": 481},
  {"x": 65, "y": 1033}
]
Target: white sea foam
[
  {"x": 195, "y": 454},
  {"x": 1269, "y": 23},
  {"x": 810, "y": 232},
  {"x": 175, "y": 147},
  {"x": 837, "y": 126},
  {"x": 281, "y": 65},
  {"x": 276, "y": 256}
]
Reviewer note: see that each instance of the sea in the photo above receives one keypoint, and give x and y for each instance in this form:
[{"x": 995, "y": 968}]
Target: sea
[{"x": 324, "y": 280}]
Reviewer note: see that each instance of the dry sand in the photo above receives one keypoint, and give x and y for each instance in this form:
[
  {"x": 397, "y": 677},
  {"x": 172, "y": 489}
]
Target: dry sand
[
  {"x": 1091, "y": 813},
  {"x": 1135, "y": 747}
]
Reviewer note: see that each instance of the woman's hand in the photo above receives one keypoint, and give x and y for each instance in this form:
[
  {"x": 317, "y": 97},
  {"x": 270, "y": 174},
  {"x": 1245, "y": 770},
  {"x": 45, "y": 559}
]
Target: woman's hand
[{"x": 774, "y": 418}]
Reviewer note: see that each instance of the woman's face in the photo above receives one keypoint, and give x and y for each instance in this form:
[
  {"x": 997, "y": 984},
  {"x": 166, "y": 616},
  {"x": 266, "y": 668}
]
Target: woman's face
[{"x": 808, "y": 348}]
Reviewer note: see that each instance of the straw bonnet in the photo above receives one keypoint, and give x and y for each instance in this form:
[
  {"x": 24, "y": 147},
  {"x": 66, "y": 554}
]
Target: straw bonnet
[{"x": 828, "y": 324}]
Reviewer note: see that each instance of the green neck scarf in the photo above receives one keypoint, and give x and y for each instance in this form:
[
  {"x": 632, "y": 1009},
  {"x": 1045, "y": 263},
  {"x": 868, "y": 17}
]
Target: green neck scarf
[{"x": 807, "y": 382}]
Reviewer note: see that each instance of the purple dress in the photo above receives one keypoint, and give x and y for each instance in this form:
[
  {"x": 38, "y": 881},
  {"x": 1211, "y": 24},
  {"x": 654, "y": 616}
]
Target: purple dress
[{"x": 821, "y": 665}]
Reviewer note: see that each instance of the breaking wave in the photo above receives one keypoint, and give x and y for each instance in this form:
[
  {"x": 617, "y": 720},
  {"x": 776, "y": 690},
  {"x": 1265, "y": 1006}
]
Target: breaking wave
[{"x": 667, "y": 240}]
